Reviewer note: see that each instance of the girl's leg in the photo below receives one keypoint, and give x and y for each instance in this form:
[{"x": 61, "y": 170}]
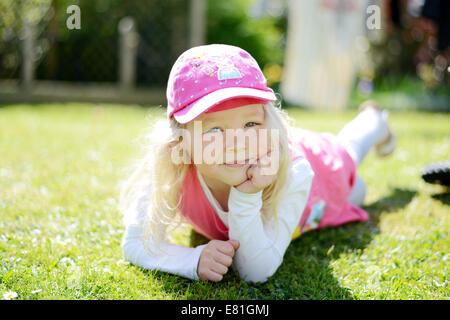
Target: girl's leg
[
  {"x": 359, "y": 136},
  {"x": 362, "y": 133}
]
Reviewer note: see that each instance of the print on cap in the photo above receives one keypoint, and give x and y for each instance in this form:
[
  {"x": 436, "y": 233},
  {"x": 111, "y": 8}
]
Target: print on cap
[{"x": 229, "y": 73}]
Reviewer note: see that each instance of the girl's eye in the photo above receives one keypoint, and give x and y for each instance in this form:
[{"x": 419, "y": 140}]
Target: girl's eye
[
  {"x": 214, "y": 129},
  {"x": 252, "y": 124},
  {"x": 217, "y": 129}
]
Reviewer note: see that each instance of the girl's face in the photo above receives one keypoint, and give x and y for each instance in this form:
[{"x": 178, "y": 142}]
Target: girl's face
[{"x": 227, "y": 147}]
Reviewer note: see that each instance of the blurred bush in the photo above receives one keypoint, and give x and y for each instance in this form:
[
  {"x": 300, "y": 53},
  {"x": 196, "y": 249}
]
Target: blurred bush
[
  {"x": 407, "y": 46},
  {"x": 230, "y": 22},
  {"x": 91, "y": 53}
]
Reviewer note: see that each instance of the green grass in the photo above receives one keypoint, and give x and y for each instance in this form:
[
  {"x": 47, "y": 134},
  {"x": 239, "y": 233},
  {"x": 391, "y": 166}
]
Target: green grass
[{"x": 60, "y": 231}]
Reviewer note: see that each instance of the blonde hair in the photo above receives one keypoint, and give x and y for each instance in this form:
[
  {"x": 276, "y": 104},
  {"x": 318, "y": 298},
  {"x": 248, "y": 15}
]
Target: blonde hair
[{"x": 166, "y": 177}]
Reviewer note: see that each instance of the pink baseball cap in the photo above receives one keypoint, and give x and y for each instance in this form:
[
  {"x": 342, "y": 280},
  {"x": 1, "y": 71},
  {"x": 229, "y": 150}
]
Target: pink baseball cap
[{"x": 209, "y": 76}]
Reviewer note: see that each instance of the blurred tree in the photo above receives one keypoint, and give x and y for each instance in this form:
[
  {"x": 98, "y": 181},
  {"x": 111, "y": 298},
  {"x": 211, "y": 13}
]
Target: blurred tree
[
  {"x": 91, "y": 53},
  {"x": 264, "y": 37},
  {"x": 408, "y": 45}
]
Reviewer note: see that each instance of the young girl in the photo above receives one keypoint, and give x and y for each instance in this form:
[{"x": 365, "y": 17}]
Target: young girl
[{"x": 250, "y": 202}]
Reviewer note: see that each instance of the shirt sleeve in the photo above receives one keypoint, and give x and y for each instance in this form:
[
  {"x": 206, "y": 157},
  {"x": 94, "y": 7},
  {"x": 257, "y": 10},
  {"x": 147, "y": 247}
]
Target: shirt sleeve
[
  {"x": 262, "y": 247},
  {"x": 175, "y": 259}
]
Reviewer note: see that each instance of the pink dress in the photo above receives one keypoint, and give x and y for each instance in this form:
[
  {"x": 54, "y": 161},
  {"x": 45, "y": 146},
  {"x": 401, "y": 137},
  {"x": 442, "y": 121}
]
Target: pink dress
[{"x": 327, "y": 204}]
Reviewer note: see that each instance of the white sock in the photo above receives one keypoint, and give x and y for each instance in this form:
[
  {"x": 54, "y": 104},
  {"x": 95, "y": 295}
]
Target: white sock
[{"x": 363, "y": 132}]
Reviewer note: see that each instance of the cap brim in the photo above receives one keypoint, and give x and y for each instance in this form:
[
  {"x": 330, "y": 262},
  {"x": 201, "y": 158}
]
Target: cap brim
[{"x": 196, "y": 108}]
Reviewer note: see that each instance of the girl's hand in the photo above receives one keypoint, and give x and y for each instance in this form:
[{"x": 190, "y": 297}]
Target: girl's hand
[
  {"x": 257, "y": 174},
  {"x": 215, "y": 259}
]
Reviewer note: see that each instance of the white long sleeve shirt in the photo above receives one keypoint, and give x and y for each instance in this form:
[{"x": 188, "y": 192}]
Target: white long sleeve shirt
[{"x": 261, "y": 248}]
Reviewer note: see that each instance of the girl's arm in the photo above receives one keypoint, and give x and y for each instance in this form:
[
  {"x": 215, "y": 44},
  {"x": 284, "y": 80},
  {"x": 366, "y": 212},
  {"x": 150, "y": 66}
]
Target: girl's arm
[
  {"x": 176, "y": 259},
  {"x": 261, "y": 249}
]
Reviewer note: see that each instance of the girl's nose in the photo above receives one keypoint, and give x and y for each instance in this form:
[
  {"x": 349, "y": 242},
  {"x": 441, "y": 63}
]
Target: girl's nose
[
  {"x": 235, "y": 143},
  {"x": 234, "y": 147}
]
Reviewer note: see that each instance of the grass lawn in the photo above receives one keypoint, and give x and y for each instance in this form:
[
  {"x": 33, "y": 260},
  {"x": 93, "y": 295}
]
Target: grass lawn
[{"x": 60, "y": 231}]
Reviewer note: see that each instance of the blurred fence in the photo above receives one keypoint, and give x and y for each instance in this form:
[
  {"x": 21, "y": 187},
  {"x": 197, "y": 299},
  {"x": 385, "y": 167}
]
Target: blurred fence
[
  {"x": 127, "y": 45},
  {"x": 124, "y": 49}
]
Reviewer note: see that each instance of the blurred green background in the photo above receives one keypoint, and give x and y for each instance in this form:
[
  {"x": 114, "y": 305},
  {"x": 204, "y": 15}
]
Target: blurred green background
[
  {"x": 61, "y": 163},
  {"x": 405, "y": 68}
]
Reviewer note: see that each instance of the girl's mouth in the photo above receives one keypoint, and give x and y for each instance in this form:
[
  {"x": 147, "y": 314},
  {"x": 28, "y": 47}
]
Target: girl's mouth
[{"x": 237, "y": 165}]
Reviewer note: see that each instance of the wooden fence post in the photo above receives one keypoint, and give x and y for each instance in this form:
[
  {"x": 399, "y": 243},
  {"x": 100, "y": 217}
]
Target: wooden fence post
[
  {"x": 197, "y": 23},
  {"x": 128, "y": 43},
  {"x": 28, "y": 54}
]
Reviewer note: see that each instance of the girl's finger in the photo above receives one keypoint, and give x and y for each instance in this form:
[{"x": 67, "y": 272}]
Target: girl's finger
[
  {"x": 251, "y": 170},
  {"x": 247, "y": 186},
  {"x": 219, "y": 268},
  {"x": 226, "y": 248},
  {"x": 235, "y": 244},
  {"x": 223, "y": 259},
  {"x": 213, "y": 276}
]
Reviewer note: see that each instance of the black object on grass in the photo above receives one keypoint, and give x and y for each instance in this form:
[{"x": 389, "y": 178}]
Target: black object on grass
[{"x": 437, "y": 173}]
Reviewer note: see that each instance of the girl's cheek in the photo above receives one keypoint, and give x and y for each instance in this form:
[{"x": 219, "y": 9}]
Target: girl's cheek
[
  {"x": 213, "y": 148},
  {"x": 212, "y": 153},
  {"x": 264, "y": 142}
]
